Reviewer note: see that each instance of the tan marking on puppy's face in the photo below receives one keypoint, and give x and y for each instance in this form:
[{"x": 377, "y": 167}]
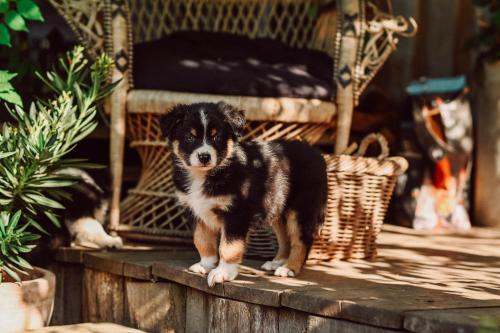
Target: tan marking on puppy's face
[
  {"x": 193, "y": 131},
  {"x": 298, "y": 248},
  {"x": 205, "y": 240},
  {"x": 231, "y": 251}
]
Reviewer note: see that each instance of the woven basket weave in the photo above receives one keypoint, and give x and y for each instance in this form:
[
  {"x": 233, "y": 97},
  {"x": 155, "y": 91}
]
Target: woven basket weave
[{"x": 359, "y": 191}]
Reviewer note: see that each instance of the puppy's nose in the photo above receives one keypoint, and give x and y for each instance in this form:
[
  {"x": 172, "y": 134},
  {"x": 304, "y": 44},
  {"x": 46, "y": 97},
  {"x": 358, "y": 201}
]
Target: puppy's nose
[{"x": 204, "y": 158}]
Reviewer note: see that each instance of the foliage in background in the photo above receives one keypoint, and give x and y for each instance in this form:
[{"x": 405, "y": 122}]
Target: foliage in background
[
  {"x": 487, "y": 40},
  {"x": 31, "y": 153},
  {"x": 13, "y": 16}
]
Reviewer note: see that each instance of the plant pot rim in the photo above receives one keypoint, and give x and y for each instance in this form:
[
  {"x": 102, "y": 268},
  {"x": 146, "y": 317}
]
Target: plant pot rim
[{"x": 37, "y": 274}]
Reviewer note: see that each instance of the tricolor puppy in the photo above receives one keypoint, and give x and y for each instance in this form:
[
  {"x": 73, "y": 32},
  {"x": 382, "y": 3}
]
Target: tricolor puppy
[{"x": 230, "y": 185}]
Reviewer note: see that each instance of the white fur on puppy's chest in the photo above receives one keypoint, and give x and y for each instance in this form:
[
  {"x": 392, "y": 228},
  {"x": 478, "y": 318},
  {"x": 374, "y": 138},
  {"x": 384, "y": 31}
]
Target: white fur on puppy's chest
[{"x": 202, "y": 205}]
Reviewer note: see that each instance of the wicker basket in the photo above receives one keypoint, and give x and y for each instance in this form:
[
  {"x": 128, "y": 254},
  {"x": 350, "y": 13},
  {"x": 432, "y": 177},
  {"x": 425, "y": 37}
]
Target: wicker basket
[{"x": 359, "y": 191}]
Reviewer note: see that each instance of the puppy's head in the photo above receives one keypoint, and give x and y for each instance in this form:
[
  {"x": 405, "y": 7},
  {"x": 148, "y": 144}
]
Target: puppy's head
[{"x": 202, "y": 135}]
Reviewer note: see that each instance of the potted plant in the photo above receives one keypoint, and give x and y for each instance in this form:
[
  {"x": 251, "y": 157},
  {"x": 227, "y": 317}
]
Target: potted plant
[
  {"x": 487, "y": 176},
  {"x": 32, "y": 151}
]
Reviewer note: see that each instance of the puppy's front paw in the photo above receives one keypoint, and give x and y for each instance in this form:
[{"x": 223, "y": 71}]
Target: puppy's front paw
[
  {"x": 204, "y": 266},
  {"x": 199, "y": 268},
  {"x": 284, "y": 271},
  {"x": 223, "y": 272},
  {"x": 273, "y": 264}
]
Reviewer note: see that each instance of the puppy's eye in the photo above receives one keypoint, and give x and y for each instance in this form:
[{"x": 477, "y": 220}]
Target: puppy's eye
[
  {"x": 217, "y": 137},
  {"x": 189, "y": 137}
]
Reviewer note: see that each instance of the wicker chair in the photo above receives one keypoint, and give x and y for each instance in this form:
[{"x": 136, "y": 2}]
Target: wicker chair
[{"x": 358, "y": 47}]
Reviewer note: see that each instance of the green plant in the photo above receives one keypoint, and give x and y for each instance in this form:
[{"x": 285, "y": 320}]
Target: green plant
[
  {"x": 13, "y": 16},
  {"x": 32, "y": 151},
  {"x": 487, "y": 40}
]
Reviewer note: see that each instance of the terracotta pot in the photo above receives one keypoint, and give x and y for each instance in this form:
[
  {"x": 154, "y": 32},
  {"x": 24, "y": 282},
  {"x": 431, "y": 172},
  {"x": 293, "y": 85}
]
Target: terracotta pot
[
  {"x": 487, "y": 176},
  {"x": 27, "y": 305}
]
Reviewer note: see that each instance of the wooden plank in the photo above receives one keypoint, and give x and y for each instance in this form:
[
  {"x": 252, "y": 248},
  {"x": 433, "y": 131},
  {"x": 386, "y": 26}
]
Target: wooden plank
[
  {"x": 208, "y": 313},
  {"x": 139, "y": 265},
  {"x": 88, "y": 328},
  {"x": 458, "y": 320},
  {"x": 109, "y": 262},
  {"x": 198, "y": 309},
  {"x": 176, "y": 271},
  {"x": 317, "y": 324},
  {"x": 156, "y": 307},
  {"x": 132, "y": 263},
  {"x": 291, "y": 321},
  {"x": 234, "y": 316},
  {"x": 376, "y": 305},
  {"x": 252, "y": 285},
  {"x": 68, "y": 302},
  {"x": 103, "y": 297},
  {"x": 72, "y": 254}
]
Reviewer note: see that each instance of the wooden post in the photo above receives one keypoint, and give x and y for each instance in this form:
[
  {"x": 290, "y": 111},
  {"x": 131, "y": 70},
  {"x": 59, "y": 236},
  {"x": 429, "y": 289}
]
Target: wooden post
[
  {"x": 120, "y": 42},
  {"x": 487, "y": 162},
  {"x": 349, "y": 12}
]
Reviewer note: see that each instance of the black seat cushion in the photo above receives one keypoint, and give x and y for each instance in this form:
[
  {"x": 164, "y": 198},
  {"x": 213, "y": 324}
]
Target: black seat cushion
[{"x": 225, "y": 64}]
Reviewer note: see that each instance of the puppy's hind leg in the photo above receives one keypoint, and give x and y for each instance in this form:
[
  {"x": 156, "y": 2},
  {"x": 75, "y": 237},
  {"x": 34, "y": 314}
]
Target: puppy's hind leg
[
  {"x": 298, "y": 249},
  {"x": 281, "y": 257}
]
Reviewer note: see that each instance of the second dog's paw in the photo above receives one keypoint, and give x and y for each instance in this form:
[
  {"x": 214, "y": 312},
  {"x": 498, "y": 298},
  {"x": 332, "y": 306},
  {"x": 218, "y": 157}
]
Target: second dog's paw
[
  {"x": 284, "y": 271},
  {"x": 273, "y": 264},
  {"x": 116, "y": 242},
  {"x": 223, "y": 272}
]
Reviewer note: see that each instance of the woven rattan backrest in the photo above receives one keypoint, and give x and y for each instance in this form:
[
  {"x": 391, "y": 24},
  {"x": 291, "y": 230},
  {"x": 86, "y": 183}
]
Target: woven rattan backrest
[{"x": 290, "y": 21}]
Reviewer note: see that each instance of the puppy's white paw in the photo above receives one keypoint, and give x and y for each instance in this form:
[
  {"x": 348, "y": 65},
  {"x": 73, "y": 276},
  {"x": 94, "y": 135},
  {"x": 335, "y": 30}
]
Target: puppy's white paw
[
  {"x": 273, "y": 264},
  {"x": 284, "y": 271},
  {"x": 223, "y": 272},
  {"x": 199, "y": 268},
  {"x": 115, "y": 242},
  {"x": 204, "y": 266}
]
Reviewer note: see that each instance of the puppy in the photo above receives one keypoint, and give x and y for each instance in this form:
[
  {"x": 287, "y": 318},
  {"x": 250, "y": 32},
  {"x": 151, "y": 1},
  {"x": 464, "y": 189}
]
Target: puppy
[
  {"x": 86, "y": 211},
  {"x": 230, "y": 185}
]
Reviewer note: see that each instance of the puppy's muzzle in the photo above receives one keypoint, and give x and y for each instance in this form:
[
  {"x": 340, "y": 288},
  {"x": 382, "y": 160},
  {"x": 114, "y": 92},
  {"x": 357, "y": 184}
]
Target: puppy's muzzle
[{"x": 204, "y": 158}]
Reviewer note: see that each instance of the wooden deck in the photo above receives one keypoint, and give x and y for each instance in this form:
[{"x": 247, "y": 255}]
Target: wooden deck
[{"x": 419, "y": 283}]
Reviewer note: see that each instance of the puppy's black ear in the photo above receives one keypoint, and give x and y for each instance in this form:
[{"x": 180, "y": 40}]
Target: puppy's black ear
[
  {"x": 171, "y": 120},
  {"x": 234, "y": 117}
]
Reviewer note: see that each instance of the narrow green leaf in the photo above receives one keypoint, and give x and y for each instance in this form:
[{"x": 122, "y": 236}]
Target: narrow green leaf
[
  {"x": 41, "y": 200},
  {"x": 21, "y": 262},
  {"x": 4, "y": 36},
  {"x": 11, "y": 273},
  {"x": 15, "y": 21},
  {"x": 4, "y": 6},
  {"x": 37, "y": 226},
  {"x": 6, "y": 154},
  {"x": 29, "y": 10},
  {"x": 56, "y": 183},
  {"x": 53, "y": 218},
  {"x": 14, "y": 221}
]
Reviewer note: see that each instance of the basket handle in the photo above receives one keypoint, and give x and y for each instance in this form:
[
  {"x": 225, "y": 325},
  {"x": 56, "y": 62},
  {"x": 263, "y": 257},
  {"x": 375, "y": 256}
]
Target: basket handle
[{"x": 371, "y": 138}]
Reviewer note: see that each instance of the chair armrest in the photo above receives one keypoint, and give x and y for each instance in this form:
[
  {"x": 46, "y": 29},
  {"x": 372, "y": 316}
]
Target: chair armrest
[{"x": 90, "y": 21}]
